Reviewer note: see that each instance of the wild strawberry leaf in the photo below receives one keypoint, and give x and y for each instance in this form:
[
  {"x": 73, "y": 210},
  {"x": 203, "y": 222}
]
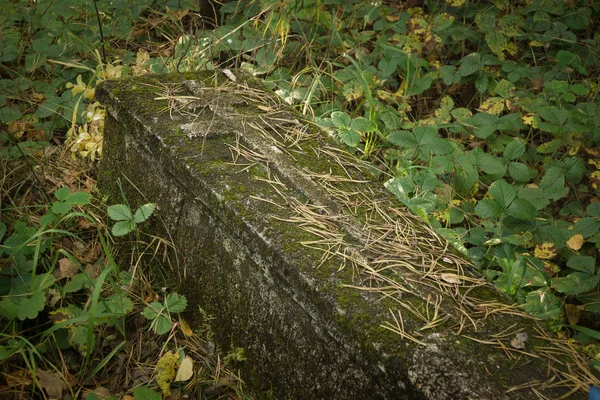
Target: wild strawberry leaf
[
  {"x": 584, "y": 264},
  {"x": 576, "y": 283},
  {"x": 503, "y": 192}
]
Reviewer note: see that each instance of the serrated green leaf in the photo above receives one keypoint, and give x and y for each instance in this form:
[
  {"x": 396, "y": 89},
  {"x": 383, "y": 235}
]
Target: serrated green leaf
[
  {"x": 587, "y": 226},
  {"x": 543, "y": 304},
  {"x": 122, "y": 228},
  {"x": 61, "y": 207},
  {"x": 520, "y": 172},
  {"x": 144, "y": 393},
  {"x": 549, "y": 147},
  {"x": 349, "y": 137},
  {"x": 120, "y": 212},
  {"x": 144, "y": 212},
  {"x": 503, "y": 192},
  {"x": 585, "y": 264},
  {"x": 176, "y": 303},
  {"x": 470, "y": 64},
  {"x": 490, "y": 164},
  {"x": 23, "y": 307},
  {"x": 593, "y": 210},
  {"x": 362, "y": 125},
  {"x": 488, "y": 208},
  {"x": 514, "y": 150},
  {"x": 153, "y": 310},
  {"x": 575, "y": 283},
  {"x": 79, "y": 198},
  {"x": 77, "y": 283},
  {"x": 9, "y": 114},
  {"x": 62, "y": 194},
  {"x": 161, "y": 324},
  {"x": 522, "y": 209},
  {"x": 575, "y": 169},
  {"x": 119, "y": 304},
  {"x": 403, "y": 139},
  {"x": 340, "y": 119},
  {"x": 505, "y": 89}
]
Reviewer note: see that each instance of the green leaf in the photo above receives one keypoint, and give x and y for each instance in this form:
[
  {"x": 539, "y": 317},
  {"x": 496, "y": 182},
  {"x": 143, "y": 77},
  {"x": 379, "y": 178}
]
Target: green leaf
[
  {"x": 61, "y": 207},
  {"x": 79, "y": 198},
  {"x": 429, "y": 141},
  {"x": 144, "y": 212},
  {"x": 161, "y": 324},
  {"x": 363, "y": 125},
  {"x": 9, "y": 114},
  {"x": 593, "y": 210},
  {"x": 176, "y": 303},
  {"x": 575, "y": 169},
  {"x": 120, "y": 212},
  {"x": 122, "y": 228},
  {"x": 485, "y": 123},
  {"x": 488, "y": 208},
  {"x": 349, "y": 137},
  {"x": 503, "y": 192},
  {"x": 403, "y": 139},
  {"x": 553, "y": 183},
  {"x": 153, "y": 310},
  {"x": 587, "y": 226},
  {"x": 62, "y": 194},
  {"x": 77, "y": 283},
  {"x": 585, "y": 264},
  {"x": 144, "y": 393},
  {"x": 340, "y": 119},
  {"x": 482, "y": 83},
  {"x": 470, "y": 64},
  {"x": 576, "y": 283},
  {"x": 520, "y": 172},
  {"x": 514, "y": 150},
  {"x": 489, "y": 163},
  {"x": 23, "y": 307},
  {"x": 505, "y": 89},
  {"x": 522, "y": 209},
  {"x": 543, "y": 304}
]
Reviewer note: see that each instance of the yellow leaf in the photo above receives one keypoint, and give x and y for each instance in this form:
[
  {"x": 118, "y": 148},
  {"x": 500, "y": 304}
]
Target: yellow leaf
[
  {"x": 185, "y": 327},
  {"x": 493, "y": 105},
  {"x": 545, "y": 251},
  {"x": 186, "y": 369},
  {"x": 575, "y": 242},
  {"x": 165, "y": 371}
]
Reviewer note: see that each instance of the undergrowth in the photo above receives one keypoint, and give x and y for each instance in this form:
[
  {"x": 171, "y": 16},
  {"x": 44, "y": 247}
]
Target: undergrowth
[
  {"x": 79, "y": 316},
  {"x": 482, "y": 118}
]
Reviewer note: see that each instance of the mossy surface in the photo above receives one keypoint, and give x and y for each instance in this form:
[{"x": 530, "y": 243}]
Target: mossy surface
[{"x": 274, "y": 289}]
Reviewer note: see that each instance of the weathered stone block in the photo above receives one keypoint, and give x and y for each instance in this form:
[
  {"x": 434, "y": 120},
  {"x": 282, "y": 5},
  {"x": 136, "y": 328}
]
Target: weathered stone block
[{"x": 331, "y": 287}]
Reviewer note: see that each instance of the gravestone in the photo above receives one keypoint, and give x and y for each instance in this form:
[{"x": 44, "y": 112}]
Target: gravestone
[{"x": 332, "y": 288}]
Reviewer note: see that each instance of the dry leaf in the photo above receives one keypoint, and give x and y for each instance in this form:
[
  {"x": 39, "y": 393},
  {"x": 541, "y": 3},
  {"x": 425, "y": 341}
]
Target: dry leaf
[
  {"x": 186, "y": 369},
  {"x": 185, "y": 327},
  {"x": 51, "y": 382},
  {"x": 21, "y": 377},
  {"x": 518, "y": 341},
  {"x": 66, "y": 269},
  {"x": 101, "y": 392},
  {"x": 575, "y": 242},
  {"x": 451, "y": 278}
]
